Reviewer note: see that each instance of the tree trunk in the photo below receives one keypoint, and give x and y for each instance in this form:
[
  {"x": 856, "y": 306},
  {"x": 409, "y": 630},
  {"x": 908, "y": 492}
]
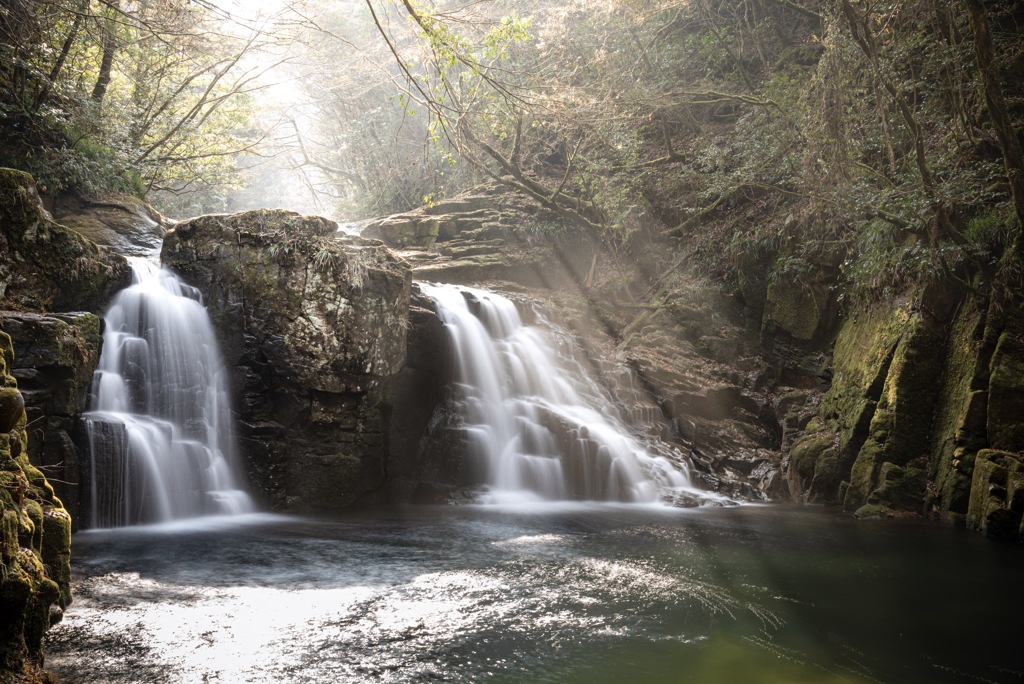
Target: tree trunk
[
  {"x": 65, "y": 50},
  {"x": 107, "y": 61}
]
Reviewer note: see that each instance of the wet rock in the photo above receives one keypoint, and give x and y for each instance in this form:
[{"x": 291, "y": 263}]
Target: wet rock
[
  {"x": 126, "y": 224},
  {"x": 311, "y": 322},
  {"x": 426, "y": 440}
]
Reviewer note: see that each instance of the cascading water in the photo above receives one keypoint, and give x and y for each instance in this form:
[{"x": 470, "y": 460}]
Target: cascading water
[
  {"x": 160, "y": 425},
  {"x": 540, "y": 424}
]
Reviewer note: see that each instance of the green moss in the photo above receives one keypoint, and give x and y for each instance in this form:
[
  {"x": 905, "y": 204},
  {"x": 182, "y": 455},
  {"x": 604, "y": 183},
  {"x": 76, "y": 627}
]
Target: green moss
[
  {"x": 873, "y": 512},
  {"x": 797, "y": 308},
  {"x": 56, "y": 551},
  {"x": 959, "y": 428},
  {"x": 813, "y": 468},
  {"x": 901, "y": 488},
  {"x": 997, "y": 494},
  {"x": 1006, "y": 392},
  {"x": 901, "y": 425}
]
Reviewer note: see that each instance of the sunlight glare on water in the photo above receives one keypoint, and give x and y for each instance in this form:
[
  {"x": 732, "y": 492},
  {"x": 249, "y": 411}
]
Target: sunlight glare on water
[{"x": 585, "y": 594}]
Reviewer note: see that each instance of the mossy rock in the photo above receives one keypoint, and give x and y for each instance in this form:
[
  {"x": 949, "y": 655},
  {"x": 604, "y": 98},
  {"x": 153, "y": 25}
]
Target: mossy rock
[
  {"x": 813, "y": 474},
  {"x": 900, "y": 428},
  {"x": 997, "y": 494},
  {"x": 797, "y": 308},
  {"x": 901, "y": 488},
  {"x": 873, "y": 512},
  {"x": 12, "y": 409},
  {"x": 56, "y": 550},
  {"x": 1005, "y": 416},
  {"x": 35, "y": 540},
  {"x": 47, "y": 266}
]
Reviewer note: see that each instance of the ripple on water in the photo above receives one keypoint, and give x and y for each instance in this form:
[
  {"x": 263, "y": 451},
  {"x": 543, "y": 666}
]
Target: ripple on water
[{"x": 469, "y": 595}]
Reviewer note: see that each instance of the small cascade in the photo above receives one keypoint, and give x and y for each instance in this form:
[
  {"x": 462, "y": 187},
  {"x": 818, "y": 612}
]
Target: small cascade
[
  {"x": 540, "y": 424},
  {"x": 160, "y": 425}
]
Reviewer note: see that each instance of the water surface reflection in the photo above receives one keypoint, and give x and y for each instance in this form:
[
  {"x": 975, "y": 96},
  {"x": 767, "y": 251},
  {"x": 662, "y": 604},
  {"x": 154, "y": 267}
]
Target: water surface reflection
[{"x": 569, "y": 593}]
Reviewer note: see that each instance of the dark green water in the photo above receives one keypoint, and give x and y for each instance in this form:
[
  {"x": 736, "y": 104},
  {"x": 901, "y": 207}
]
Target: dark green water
[{"x": 556, "y": 594}]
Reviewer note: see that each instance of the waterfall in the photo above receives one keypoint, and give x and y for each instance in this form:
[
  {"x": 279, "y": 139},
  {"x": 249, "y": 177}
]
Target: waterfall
[
  {"x": 159, "y": 427},
  {"x": 539, "y": 423}
]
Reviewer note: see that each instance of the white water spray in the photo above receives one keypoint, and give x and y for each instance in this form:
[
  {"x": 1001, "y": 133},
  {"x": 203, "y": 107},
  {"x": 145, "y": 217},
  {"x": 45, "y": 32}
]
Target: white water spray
[
  {"x": 539, "y": 423},
  {"x": 160, "y": 425}
]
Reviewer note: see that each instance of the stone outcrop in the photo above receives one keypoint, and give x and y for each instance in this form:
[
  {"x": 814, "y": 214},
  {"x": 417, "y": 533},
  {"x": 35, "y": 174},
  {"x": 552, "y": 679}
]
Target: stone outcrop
[
  {"x": 55, "y": 356},
  {"x": 427, "y": 441},
  {"x": 126, "y": 224},
  {"x": 311, "y": 322},
  {"x": 487, "y": 234},
  {"x": 46, "y": 266},
  {"x": 923, "y": 415},
  {"x": 35, "y": 538}
]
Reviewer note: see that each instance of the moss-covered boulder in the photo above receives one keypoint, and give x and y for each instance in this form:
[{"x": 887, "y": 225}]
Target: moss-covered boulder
[
  {"x": 800, "y": 309},
  {"x": 813, "y": 472},
  {"x": 35, "y": 545},
  {"x": 311, "y": 321},
  {"x": 44, "y": 265}
]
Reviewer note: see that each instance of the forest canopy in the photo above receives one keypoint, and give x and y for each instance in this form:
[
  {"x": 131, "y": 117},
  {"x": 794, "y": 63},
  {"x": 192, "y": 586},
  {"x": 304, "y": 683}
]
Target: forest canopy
[{"x": 877, "y": 141}]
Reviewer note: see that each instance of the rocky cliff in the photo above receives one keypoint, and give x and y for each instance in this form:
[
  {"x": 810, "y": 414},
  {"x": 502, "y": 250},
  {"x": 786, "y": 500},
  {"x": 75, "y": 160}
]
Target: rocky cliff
[
  {"x": 47, "y": 359},
  {"x": 311, "y": 322},
  {"x": 924, "y": 414},
  {"x": 35, "y": 538},
  {"x": 55, "y": 356}
]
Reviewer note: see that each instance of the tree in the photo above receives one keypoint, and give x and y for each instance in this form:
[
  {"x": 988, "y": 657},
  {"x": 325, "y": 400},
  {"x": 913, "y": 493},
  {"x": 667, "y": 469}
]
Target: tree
[{"x": 142, "y": 96}]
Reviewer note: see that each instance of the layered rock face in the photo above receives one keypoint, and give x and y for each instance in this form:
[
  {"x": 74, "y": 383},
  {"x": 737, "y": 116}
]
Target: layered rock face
[
  {"x": 924, "y": 414},
  {"x": 488, "y": 234},
  {"x": 46, "y": 266},
  {"x": 55, "y": 356},
  {"x": 311, "y": 322},
  {"x": 35, "y": 537}
]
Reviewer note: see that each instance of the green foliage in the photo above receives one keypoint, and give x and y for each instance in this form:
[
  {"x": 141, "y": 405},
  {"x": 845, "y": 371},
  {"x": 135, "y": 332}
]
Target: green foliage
[{"x": 131, "y": 97}]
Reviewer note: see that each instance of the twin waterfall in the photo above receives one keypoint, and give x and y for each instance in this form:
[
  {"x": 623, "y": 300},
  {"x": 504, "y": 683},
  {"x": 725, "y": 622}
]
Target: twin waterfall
[
  {"x": 543, "y": 428},
  {"x": 161, "y": 435},
  {"x": 160, "y": 427}
]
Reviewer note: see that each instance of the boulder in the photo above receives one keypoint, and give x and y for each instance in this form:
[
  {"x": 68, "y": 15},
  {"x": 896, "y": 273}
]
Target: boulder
[
  {"x": 46, "y": 266},
  {"x": 129, "y": 225},
  {"x": 311, "y": 322}
]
